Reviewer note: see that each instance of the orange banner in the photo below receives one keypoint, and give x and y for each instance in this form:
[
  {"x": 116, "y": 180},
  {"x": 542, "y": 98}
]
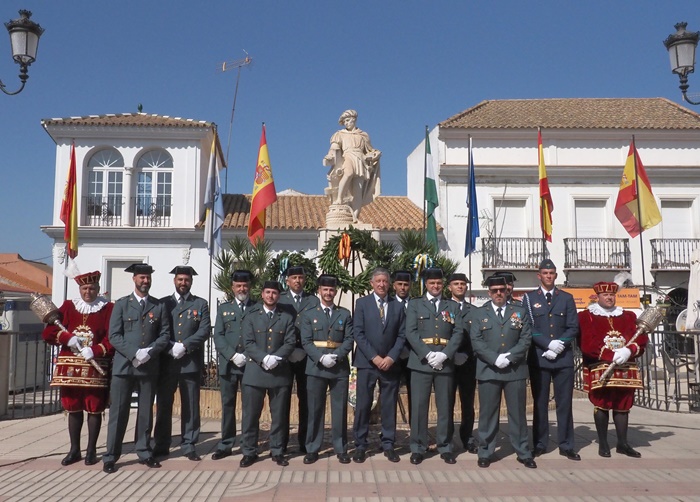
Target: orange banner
[{"x": 627, "y": 298}]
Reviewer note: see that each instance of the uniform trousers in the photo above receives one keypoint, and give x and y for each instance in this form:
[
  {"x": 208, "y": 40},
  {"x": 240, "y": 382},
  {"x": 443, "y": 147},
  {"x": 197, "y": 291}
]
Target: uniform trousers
[
  {"x": 489, "y": 410},
  {"x": 421, "y": 387},
  {"x": 253, "y": 399},
  {"x": 540, "y": 382},
  {"x": 317, "y": 387},
  {"x": 189, "y": 384},
  {"x": 465, "y": 381},
  {"x": 299, "y": 372},
  {"x": 229, "y": 385}
]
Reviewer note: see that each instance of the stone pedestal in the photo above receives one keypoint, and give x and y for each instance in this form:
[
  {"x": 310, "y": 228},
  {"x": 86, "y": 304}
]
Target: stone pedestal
[{"x": 339, "y": 216}]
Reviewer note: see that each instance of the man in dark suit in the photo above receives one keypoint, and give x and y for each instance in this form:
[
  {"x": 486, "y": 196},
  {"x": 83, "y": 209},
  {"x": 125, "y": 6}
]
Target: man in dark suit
[
  {"x": 434, "y": 333},
  {"x": 326, "y": 333},
  {"x": 139, "y": 331},
  {"x": 232, "y": 359},
  {"x": 465, "y": 363},
  {"x": 181, "y": 366},
  {"x": 501, "y": 334},
  {"x": 379, "y": 332},
  {"x": 551, "y": 360},
  {"x": 269, "y": 338},
  {"x": 401, "y": 284},
  {"x": 297, "y": 301}
]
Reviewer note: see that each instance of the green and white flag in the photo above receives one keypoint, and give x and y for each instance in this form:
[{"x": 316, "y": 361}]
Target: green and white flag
[{"x": 430, "y": 195}]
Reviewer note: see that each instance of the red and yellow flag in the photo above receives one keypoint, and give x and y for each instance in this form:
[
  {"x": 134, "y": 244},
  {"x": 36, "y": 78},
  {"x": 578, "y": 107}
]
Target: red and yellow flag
[
  {"x": 264, "y": 192},
  {"x": 627, "y": 209},
  {"x": 546, "y": 205},
  {"x": 69, "y": 208}
]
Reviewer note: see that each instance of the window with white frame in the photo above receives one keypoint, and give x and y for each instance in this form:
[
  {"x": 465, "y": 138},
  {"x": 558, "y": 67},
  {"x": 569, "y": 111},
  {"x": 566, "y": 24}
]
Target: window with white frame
[
  {"x": 154, "y": 188},
  {"x": 104, "y": 187}
]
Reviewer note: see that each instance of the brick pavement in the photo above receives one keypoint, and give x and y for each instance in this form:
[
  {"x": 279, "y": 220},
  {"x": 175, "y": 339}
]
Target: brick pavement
[{"x": 31, "y": 450}]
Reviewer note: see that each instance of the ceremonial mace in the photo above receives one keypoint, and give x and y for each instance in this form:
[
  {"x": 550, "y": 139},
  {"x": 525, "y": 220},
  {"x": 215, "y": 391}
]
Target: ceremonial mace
[
  {"x": 646, "y": 323},
  {"x": 45, "y": 310}
]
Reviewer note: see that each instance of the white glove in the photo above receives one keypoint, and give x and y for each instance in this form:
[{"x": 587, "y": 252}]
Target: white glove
[
  {"x": 135, "y": 363},
  {"x": 622, "y": 355},
  {"x": 556, "y": 346},
  {"x": 549, "y": 354},
  {"x": 429, "y": 357},
  {"x": 239, "y": 359},
  {"x": 142, "y": 355},
  {"x": 328, "y": 360},
  {"x": 439, "y": 358},
  {"x": 460, "y": 358},
  {"x": 502, "y": 360},
  {"x": 178, "y": 350},
  {"x": 270, "y": 362},
  {"x": 297, "y": 355},
  {"x": 74, "y": 343},
  {"x": 87, "y": 353}
]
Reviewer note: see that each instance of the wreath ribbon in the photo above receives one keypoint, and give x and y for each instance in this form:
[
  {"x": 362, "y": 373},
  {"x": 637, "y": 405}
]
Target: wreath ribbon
[
  {"x": 344, "y": 249},
  {"x": 420, "y": 263}
]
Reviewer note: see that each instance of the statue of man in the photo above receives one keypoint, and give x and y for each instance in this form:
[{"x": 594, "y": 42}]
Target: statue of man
[{"x": 355, "y": 165}]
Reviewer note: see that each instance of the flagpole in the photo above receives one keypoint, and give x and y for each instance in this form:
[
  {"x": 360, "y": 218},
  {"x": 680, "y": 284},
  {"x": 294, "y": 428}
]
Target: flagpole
[
  {"x": 425, "y": 174},
  {"x": 542, "y": 218},
  {"x": 641, "y": 225}
]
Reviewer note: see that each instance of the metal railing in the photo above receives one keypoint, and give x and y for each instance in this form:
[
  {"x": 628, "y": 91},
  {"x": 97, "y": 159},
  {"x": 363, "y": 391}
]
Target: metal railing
[
  {"x": 512, "y": 252},
  {"x": 672, "y": 254},
  {"x": 145, "y": 211},
  {"x": 597, "y": 253},
  {"x": 103, "y": 211},
  {"x": 152, "y": 211}
]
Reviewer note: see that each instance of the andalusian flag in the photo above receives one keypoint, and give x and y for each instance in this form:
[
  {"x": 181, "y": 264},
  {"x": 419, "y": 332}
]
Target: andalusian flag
[
  {"x": 430, "y": 194},
  {"x": 546, "y": 205},
  {"x": 69, "y": 208},
  {"x": 264, "y": 192},
  {"x": 213, "y": 202},
  {"x": 635, "y": 197}
]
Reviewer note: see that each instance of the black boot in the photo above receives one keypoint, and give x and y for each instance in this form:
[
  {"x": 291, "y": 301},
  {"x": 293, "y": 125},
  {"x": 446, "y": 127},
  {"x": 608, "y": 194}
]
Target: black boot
[
  {"x": 75, "y": 425},
  {"x": 601, "y": 419},
  {"x": 94, "y": 422},
  {"x": 621, "y": 419}
]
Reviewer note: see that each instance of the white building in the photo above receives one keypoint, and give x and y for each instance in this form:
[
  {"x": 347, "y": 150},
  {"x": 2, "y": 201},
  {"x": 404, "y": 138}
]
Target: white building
[{"x": 585, "y": 143}]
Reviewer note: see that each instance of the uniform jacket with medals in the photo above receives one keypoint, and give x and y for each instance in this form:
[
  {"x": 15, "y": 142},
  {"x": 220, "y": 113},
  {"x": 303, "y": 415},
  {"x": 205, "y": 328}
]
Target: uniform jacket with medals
[
  {"x": 306, "y": 302},
  {"x": 423, "y": 323},
  {"x": 491, "y": 337},
  {"x": 316, "y": 327},
  {"x": 131, "y": 330},
  {"x": 263, "y": 336},
  {"x": 190, "y": 325},
  {"x": 555, "y": 321},
  {"x": 227, "y": 334}
]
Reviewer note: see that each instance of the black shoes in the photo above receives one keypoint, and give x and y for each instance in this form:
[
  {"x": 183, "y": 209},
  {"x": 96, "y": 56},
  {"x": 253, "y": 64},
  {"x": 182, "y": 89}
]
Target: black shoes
[
  {"x": 626, "y": 449},
  {"x": 528, "y": 462},
  {"x": 91, "y": 458},
  {"x": 219, "y": 454},
  {"x": 359, "y": 456},
  {"x": 416, "y": 458},
  {"x": 311, "y": 458},
  {"x": 449, "y": 458},
  {"x": 248, "y": 460},
  {"x": 193, "y": 456},
  {"x": 149, "y": 462},
  {"x": 604, "y": 451},
  {"x": 279, "y": 460},
  {"x": 343, "y": 458},
  {"x": 160, "y": 452},
  {"x": 391, "y": 455},
  {"x": 109, "y": 468},
  {"x": 472, "y": 447},
  {"x": 539, "y": 450},
  {"x": 570, "y": 454},
  {"x": 71, "y": 458},
  {"x": 483, "y": 462}
]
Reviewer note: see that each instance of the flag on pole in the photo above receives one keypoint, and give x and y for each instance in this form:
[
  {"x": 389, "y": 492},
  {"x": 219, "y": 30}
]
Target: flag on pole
[
  {"x": 430, "y": 194},
  {"x": 473, "y": 210},
  {"x": 633, "y": 199},
  {"x": 546, "y": 205},
  {"x": 264, "y": 192},
  {"x": 69, "y": 208},
  {"x": 214, "y": 218}
]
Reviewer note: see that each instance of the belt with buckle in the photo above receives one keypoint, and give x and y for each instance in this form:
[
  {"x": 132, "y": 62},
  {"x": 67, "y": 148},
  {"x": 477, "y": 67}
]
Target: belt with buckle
[
  {"x": 327, "y": 344},
  {"x": 435, "y": 341}
]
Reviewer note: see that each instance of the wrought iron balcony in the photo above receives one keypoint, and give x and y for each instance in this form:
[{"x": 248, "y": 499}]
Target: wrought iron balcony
[
  {"x": 152, "y": 211},
  {"x": 512, "y": 252},
  {"x": 672, "y": 254},
  {"x": 593, "y": 253},
  {"x": 103, "y": 211}
]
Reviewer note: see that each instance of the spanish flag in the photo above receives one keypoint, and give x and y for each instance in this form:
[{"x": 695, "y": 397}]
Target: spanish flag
[
  {"x": 69, "y": 208},
  {"x": 635, "y": 197},
  {"x": 264, "y": 192},
  {"x": 546, "y": 205}
]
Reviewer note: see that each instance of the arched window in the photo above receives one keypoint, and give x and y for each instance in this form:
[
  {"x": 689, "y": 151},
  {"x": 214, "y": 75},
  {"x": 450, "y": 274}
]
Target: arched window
[
  {"x": 154, "y": 188},
  {"x": 105, "y": 178}
]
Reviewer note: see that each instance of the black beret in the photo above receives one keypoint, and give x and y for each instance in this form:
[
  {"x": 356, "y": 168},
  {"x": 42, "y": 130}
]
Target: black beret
[
  {"x": 509, "y": 276},
  {"x": 241, "y": 276},
  {"x": 401, "y": 275},
  {"x": 295, "y": 270},
  {"x": 457, "y": 277},
  {"x": 327, "y": 280},
  {"x": 432, "y": 273},
  {"x": 547, "y": 264},
  {"x": 272, "y": 285},
  {"x": 183, "y": 270},
  {"x": 495, "y": 280},
  {"x": 139, "y": 268}
]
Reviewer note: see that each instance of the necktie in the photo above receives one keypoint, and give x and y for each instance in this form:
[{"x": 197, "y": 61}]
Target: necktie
[
  {"x": 435, "y": 304},
  {"x": 242, "y": 306},
  {"x": 328, "y": 312},
  {"x": 297, "y": 299},
  {"x": 142, "y": 302},
  {"x": 461, "y": 304},
  {"x": 180, "y": 301},
  {"x": 549, "y": 298},
  {"x": 381, "y": 310},
  {"x": 500, "y": 313},
  {"x": 269, "y": 315}
]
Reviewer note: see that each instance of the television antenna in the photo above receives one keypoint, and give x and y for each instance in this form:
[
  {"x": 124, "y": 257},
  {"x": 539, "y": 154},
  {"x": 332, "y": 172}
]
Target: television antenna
[{"x": 226, "y": 66}]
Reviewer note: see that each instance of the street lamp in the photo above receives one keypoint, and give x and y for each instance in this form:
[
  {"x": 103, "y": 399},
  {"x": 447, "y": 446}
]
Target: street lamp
[
  {"x": 681, "y": 48},
  {"x": 24, "y": 37}
]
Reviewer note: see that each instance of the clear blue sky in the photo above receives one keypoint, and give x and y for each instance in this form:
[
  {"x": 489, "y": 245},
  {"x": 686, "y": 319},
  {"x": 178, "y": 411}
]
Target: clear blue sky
[{"x": 401, "y": 64}]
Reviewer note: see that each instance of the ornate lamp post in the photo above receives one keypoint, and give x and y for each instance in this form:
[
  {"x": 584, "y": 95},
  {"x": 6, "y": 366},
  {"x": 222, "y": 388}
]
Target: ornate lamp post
[
  {"x": 24, "y": 37},
  {"x": 681, "y": 48}
]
